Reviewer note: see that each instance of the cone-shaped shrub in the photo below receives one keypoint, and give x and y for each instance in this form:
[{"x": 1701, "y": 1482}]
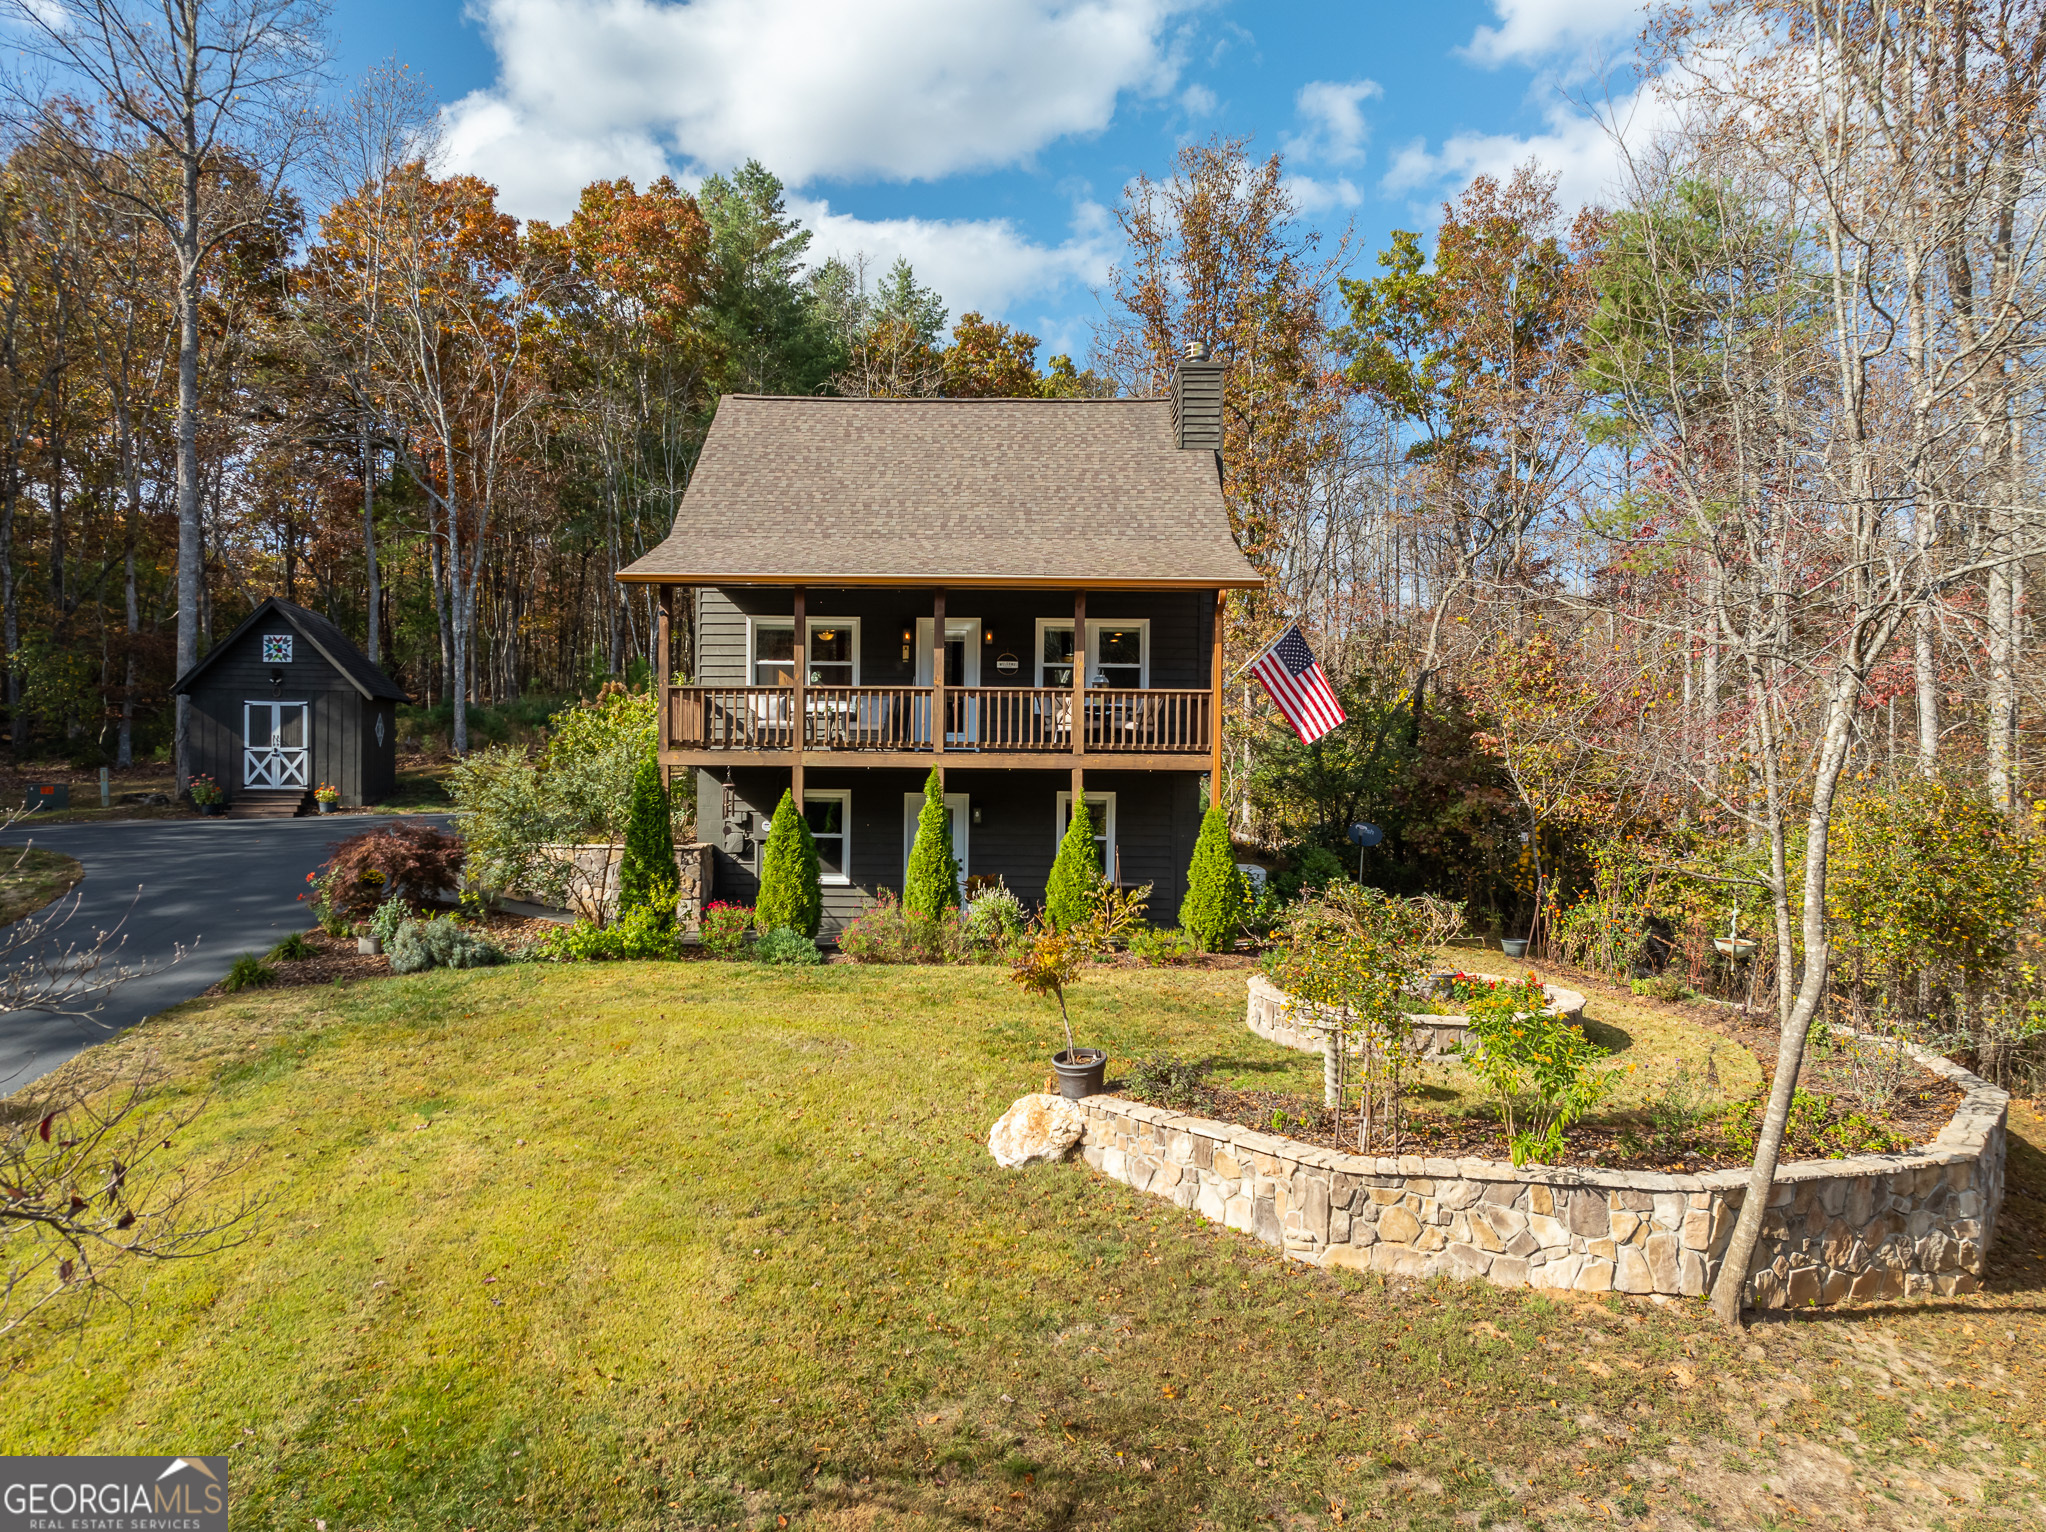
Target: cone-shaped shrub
[
  {"x": 933, "y": 882},
  {"x": 789, "y": 894},
  {"x": 647, "y": 879},
  {"x": 1216, "y": 894},
  {"x": 1075, "y": 874}
]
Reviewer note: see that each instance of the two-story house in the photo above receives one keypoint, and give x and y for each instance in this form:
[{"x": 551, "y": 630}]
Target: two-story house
[{"x": 1023, "y": 593}]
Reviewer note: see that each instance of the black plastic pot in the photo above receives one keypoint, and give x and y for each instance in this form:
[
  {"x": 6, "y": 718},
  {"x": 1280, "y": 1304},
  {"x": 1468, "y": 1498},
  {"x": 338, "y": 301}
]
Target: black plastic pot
[{"x": 1080, "y": 1071}]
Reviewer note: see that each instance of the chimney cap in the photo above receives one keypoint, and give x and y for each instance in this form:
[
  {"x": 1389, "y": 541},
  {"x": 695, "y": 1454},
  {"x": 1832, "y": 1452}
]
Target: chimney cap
[{"x": 1197, "y": 351}]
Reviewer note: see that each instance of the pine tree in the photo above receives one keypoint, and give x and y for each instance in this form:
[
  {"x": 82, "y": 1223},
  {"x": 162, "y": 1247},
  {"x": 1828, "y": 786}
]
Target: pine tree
[
  {"x": 1075, "y": 874},
  {"x": 932, "y": 886},
  {"x": 790, "y": 895},
  {"x": 1216, "y": 894},
  {"x": 647, "y": 878}
]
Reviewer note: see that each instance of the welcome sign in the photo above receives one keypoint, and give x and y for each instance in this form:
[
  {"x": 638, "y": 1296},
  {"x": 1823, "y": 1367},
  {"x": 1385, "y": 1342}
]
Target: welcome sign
[{"x": 130, "y": 1494}]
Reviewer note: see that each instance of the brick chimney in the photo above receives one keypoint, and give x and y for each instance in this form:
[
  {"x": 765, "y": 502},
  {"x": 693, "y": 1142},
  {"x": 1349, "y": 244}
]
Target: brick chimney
[{"x": 1197, "y": 401}]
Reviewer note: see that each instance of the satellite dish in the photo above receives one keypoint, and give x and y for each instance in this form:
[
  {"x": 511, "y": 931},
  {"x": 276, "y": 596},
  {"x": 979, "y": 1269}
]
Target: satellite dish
[{"x": 1366, "y": 835}]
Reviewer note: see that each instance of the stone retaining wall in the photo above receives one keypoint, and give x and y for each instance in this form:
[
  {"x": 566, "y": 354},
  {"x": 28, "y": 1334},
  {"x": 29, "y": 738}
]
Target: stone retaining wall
[
  {"x": 1277, "y": 1017},
  {"x": 1876, "y": 1226}
]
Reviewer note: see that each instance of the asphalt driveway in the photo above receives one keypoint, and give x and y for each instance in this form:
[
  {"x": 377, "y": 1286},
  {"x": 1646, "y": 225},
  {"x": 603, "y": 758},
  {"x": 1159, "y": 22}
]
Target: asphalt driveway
[{"x": 218, "y": 887}]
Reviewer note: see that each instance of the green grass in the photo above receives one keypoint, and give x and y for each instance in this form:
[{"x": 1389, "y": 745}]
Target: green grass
[
  {"x": 683, "y": 1245},
  {"x": 31, "y": 877}
]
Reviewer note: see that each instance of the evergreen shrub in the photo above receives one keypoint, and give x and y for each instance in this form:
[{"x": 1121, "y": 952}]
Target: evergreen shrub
[
  {"x": 647, "y": 876},
  {"x": 791, "y": 897},
  {"x": 1217, "y": 897},
  {"x": 441, "y": 942},
  {"x": 1069, "y": 894},
  {"x": 933, "y": 882}
]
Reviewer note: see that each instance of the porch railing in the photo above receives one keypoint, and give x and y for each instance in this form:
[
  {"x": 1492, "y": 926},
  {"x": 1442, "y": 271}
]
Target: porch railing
[{"x": 976, "y": 718}]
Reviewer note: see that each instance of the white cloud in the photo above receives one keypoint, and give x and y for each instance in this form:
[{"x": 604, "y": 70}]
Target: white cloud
[
  {"x": 1584, "y": 150},
  {"x": 1530, "y": 30},
  {"x": 1197, "y": 101},
  {"x": 1312, "y": 195},
  {"x": 1333, "y": 114},
  {"x": 984, "y": 264},
  {"x": 892, "y": 89}
]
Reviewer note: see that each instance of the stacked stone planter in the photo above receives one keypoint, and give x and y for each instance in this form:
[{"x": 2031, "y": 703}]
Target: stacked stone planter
[
  {"x": 1277, "y": 1017},
  {"x": 1875, "y": 1226}
]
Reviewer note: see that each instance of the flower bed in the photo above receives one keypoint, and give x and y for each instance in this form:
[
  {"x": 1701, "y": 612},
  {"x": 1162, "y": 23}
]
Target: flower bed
[
  {"x": 1277, "y": 1017},
  {"x": 1872, "y": 1226}
]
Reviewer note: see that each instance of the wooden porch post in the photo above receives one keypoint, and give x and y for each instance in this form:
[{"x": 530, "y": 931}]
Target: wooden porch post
[
  {"x": 938, "y": 683},
  {"x": 1079, "y": 679},
  {"x": 801, "y": 726},
  {"x": 664, "y": 733},
  {"x": 1215, "y": 704}
]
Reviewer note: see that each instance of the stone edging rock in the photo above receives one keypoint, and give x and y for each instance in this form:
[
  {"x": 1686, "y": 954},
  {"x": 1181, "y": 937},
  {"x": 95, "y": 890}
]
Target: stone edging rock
[
  {"x": 1876, "y": 1226},
  {"x": 1277, "y": 1017}
]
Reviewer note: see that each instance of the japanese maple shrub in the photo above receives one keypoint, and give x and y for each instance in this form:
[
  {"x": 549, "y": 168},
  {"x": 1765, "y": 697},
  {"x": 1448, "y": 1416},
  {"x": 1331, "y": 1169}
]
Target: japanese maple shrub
[{"x": 791, "y": 898}]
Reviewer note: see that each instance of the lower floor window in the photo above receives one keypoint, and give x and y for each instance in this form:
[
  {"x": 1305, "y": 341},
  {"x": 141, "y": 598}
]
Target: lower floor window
[
  {"x": 828, "y": 814},
  {"x": 1101, "y": 815}
]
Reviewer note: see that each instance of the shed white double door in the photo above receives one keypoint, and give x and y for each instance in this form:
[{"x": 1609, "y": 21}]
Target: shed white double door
[{"x": 276, "y": 744}]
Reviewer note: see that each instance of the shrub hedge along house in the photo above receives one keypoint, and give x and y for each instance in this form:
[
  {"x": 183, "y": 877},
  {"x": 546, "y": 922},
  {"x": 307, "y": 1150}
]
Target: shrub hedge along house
[
  {"x": 286, "y": 702},
  {"x": 856, "y": 591}
]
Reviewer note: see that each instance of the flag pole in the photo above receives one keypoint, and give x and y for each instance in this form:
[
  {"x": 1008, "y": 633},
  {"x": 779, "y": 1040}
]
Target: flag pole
[{"x": 1245, "y": 666}]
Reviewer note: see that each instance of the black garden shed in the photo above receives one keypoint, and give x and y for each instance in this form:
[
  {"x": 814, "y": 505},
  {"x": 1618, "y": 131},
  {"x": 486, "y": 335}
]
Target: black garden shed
[{"x": 286, "y": 702}]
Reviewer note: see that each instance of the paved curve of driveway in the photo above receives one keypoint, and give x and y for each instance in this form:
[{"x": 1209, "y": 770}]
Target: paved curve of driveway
[{"x": 219, "y": 887}]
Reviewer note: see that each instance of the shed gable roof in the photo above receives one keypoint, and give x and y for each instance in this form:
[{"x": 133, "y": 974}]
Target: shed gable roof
[
  {"x": 328, "y": 641},
  {"x": 948, "y": 492}
]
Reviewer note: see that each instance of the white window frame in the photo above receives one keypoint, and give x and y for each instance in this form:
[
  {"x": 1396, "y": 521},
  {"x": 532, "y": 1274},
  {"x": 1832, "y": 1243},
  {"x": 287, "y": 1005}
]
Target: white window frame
[
  {"x": 844, "y": 797},
  {"x": 755, "y": 624},
  {"x": 961, "y": 805},
  {"x": 1094, "y": 627},
  {"x": 1062, "y": 815}
]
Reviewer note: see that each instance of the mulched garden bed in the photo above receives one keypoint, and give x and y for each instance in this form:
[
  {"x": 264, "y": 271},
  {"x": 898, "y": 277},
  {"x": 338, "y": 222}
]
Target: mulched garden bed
[
  {"x": 335, "y": 959},
  {"x": 1915, "y": 1113},
  {"x": 1917, "y": 1116}
]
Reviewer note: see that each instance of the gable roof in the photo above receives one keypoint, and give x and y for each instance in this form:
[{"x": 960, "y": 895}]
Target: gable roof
[
  {"x": 1051, "y": 492},
  {"x": 327, "y": 640}
]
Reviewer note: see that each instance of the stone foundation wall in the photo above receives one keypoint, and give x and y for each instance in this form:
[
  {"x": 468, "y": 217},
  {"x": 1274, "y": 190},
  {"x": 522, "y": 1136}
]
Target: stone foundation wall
[
  {"x": 593, "y": 887},
  {"x": 1277, "y": 1017},
  {"x": 1877, "y": 1226}
]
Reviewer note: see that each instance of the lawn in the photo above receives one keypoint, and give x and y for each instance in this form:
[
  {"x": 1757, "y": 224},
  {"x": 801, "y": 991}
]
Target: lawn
[
  {"x": 31, "y": 877},
  {"x": 705, "y": 1244}
]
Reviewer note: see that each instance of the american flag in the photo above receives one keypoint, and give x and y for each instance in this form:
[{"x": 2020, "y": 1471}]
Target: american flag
[{"x": 1293, "y": 678}]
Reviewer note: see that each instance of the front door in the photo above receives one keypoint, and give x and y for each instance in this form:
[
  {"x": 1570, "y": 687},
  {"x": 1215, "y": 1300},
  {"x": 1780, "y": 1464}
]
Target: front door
[
  {"x": 276, "y": 744},
  {"x": 962, "y": 668}
]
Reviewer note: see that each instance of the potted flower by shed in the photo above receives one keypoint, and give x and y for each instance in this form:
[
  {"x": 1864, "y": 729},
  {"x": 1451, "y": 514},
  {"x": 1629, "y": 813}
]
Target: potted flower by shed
[
  {"x": 328, "y": 796},
  {"x": 1049, "y": 961},
  {"x": 206, "y": 794}
]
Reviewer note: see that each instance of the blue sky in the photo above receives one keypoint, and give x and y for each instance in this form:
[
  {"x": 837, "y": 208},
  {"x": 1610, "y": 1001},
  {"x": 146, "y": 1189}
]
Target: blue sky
[{"x": 989, "y": 141}]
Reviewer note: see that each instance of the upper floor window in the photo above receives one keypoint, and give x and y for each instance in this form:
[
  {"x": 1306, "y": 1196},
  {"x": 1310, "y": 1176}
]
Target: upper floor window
[
  {"x": 834, "y": 658},
  {"x": 1118, "y": 653}
]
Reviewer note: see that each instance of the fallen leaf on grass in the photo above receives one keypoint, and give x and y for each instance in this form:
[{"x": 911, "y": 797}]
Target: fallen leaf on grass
[{"x": 1684, "y": 1376}]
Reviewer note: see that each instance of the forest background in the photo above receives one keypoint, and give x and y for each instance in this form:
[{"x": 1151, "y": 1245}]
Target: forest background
[{"x": 1672, "y": 557}]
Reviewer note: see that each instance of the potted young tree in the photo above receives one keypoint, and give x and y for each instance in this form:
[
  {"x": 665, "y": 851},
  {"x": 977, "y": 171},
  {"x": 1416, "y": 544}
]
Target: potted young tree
[{"x": 1050, "y": 961}]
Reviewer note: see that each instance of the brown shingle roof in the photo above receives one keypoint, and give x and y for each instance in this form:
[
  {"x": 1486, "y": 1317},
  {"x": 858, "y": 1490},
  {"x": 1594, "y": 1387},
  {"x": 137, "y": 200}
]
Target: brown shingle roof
[{"x": 948, "y": 491}]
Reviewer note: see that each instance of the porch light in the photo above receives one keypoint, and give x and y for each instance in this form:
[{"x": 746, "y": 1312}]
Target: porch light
[
  {"x": 987, "y": 635},
  {"x": 908, "y": 638}
]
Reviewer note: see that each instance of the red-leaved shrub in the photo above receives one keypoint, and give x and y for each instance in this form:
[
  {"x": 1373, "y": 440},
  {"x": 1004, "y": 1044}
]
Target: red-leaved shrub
[{"x": 412, "y": 860}]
